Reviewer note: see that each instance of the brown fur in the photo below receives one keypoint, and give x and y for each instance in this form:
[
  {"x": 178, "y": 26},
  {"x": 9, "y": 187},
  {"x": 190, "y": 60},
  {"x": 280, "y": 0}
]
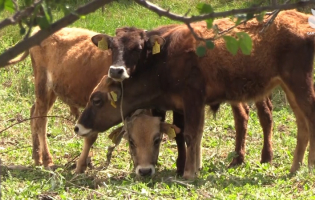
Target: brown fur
[
  {"x": 282, "y": 55},
  {"x": 144, "y": 134},
  {"x": 66, "y": 65}
]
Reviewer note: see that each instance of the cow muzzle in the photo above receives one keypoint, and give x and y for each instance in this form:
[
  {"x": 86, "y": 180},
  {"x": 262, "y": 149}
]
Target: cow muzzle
[
  {"x": 118, "y": 73},
  {"x": 81, "y": 130},
  {"x": 145, "y": 170}
]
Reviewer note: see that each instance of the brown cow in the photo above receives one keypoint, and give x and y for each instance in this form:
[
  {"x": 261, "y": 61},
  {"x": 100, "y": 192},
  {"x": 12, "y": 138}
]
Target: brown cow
[
  {"x": 177, "y": 79},
  {"x": 66, "y": 65},
  {"x": 144, "y": 133}
]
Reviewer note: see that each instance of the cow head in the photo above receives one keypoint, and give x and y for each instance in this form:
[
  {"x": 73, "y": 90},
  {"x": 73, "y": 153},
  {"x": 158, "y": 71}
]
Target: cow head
[
  {"x": 144, "y": 134},
  {"x": 128, "y": 47},
  {"x": 97, "y": 109}
]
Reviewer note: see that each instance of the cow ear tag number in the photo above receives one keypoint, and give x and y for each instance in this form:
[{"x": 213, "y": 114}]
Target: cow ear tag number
[
  {"x": 156, "y": 48},
  {"x": 113, "y": 98},
  {"x": 171, "y": 133},
  {"x": 102, "y": 44}
]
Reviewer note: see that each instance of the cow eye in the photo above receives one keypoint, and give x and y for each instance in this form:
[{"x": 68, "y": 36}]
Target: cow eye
[
  {"x": 96, "y": 101},
  {"x": 157, "y": 142}
]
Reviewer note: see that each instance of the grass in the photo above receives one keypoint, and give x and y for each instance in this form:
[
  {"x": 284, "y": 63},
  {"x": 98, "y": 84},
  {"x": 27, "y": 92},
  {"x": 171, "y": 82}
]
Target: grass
[{"x": 20, "y": 179}]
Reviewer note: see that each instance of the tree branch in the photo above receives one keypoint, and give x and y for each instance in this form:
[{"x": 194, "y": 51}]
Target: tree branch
[
  {"x": 14, "y": 19},
  {"x": 162, "y": 12},
  {"x": 43, "y": 34}
]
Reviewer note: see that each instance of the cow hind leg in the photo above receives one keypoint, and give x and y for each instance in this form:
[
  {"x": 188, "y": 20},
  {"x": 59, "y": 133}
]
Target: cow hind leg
[
  {"x": 264, "y": 110},
  {"x": 240, "y": 113},
  {"x": 36, "y": 154},
  {"x": 302, "y": 129},
  {"x": 43, "y": 103},
  {"x": 82, "y": 161}
]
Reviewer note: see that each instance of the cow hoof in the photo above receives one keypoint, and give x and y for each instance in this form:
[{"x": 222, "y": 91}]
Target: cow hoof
[
  {"x": 189, "y": 175},
  {"x": 236, "y": 162},
  {"x": 51, "y": 167},
  {"x": 180, "y": 172}
]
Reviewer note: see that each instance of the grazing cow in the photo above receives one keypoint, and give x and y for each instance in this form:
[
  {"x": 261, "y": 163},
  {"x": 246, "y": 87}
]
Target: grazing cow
[
  {"x": 144, "y": 133},
  {"x": 177, "y": 79},
  {"x": 61, "y": 64}
]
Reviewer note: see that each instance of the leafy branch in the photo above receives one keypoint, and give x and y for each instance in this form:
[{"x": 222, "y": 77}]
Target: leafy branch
[
  {"x": 252, "y": 10},
  {"x": 52, "y": 28}
]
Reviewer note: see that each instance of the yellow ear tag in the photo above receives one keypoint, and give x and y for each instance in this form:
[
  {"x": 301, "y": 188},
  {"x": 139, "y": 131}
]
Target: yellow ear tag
[
  {"x": 171, "y": 133},
  {"x": 113, "y": 97},
  {"x": 102, "y": 44},
  {"x": 156, "y": 48},
  {"x": 113, "y": 103}
]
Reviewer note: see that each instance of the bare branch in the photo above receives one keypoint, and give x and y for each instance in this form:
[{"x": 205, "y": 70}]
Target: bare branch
[
  {"x": 14, "y": 19},
  {"x": 43, "y": 34},
  {"x": 21, "y": 121},
  {"x": 274, "y": 15},
  {"x": 162, "y": 12}
]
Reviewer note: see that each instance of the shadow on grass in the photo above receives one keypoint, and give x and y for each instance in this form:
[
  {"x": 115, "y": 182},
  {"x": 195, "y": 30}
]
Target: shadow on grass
[{"x": 94, "y": 178}]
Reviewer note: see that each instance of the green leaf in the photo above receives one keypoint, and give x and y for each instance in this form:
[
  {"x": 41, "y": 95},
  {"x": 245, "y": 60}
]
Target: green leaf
[
  {"x": 231, "y": 44},
  {"x": 42, "y": 22},
  {"x": 249, "y": 16},
  {"x": 245, "y": 42},
  {"x": 47, "y": 12},
  {"x": 209, "y": 44},
  {"x": 201, "y": 51},
  {"x": 204, "y": 8},
  {"x": 238, "y": 21},
  {"x": 260, "y": 16},
  {"x": 9, "y": 6},
  {"x": 209, "y": 23}
]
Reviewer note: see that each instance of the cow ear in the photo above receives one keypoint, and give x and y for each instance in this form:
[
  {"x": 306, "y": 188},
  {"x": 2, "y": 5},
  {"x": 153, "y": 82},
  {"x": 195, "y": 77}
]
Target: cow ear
[
  {"x": 169, "y": 129},
  {"x": 102, "y": 41},
  {"x": 156, "y": 38}
]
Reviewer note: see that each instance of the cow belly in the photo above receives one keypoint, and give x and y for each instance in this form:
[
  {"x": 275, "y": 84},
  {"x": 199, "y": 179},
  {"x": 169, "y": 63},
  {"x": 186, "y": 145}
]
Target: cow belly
[{"x": 242, "y": 90}]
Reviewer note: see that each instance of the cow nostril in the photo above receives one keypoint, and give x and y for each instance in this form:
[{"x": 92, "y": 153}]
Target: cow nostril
[
  {"x": 120, "y": 71},
  {"x": 76, "y": 129},
  {"x": 145, "y": 171}
]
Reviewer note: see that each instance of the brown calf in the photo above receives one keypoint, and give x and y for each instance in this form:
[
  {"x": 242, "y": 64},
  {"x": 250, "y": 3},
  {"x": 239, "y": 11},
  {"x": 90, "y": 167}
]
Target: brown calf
[
  {"x": 144, "y": 133},
  {"x": 66, "y": 65},
  {"x": 177, "y": 79}
]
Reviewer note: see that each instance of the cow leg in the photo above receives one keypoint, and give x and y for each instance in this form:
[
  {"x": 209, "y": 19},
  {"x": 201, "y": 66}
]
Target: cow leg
[
  {"x": 302, "y": 131},
  {"x": 75, "y": 112},
  {"x": 194, "y": 118},
  {"x": 81, "y": 163},
  {"x": 44, "y": 102},
  {"x": 36, "y": 155},
  {"x": 240, "y": 113},
  {"x": 264, "y": 110},
  {"x": 178, "y": 120}
]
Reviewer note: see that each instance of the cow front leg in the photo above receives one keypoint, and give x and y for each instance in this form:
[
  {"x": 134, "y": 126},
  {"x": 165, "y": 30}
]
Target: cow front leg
[
  {"x": 81, "y": 163},
  {"x": 194, "y": 117},
  {"x": 178, "y": 120}
]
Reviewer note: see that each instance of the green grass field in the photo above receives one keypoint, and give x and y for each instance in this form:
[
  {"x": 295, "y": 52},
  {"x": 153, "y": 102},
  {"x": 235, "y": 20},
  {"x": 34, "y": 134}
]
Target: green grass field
[{"x": 20, "y": 179}]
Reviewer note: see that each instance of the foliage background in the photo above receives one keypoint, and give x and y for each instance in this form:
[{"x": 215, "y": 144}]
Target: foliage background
[{"x": 252, "y": 180}]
